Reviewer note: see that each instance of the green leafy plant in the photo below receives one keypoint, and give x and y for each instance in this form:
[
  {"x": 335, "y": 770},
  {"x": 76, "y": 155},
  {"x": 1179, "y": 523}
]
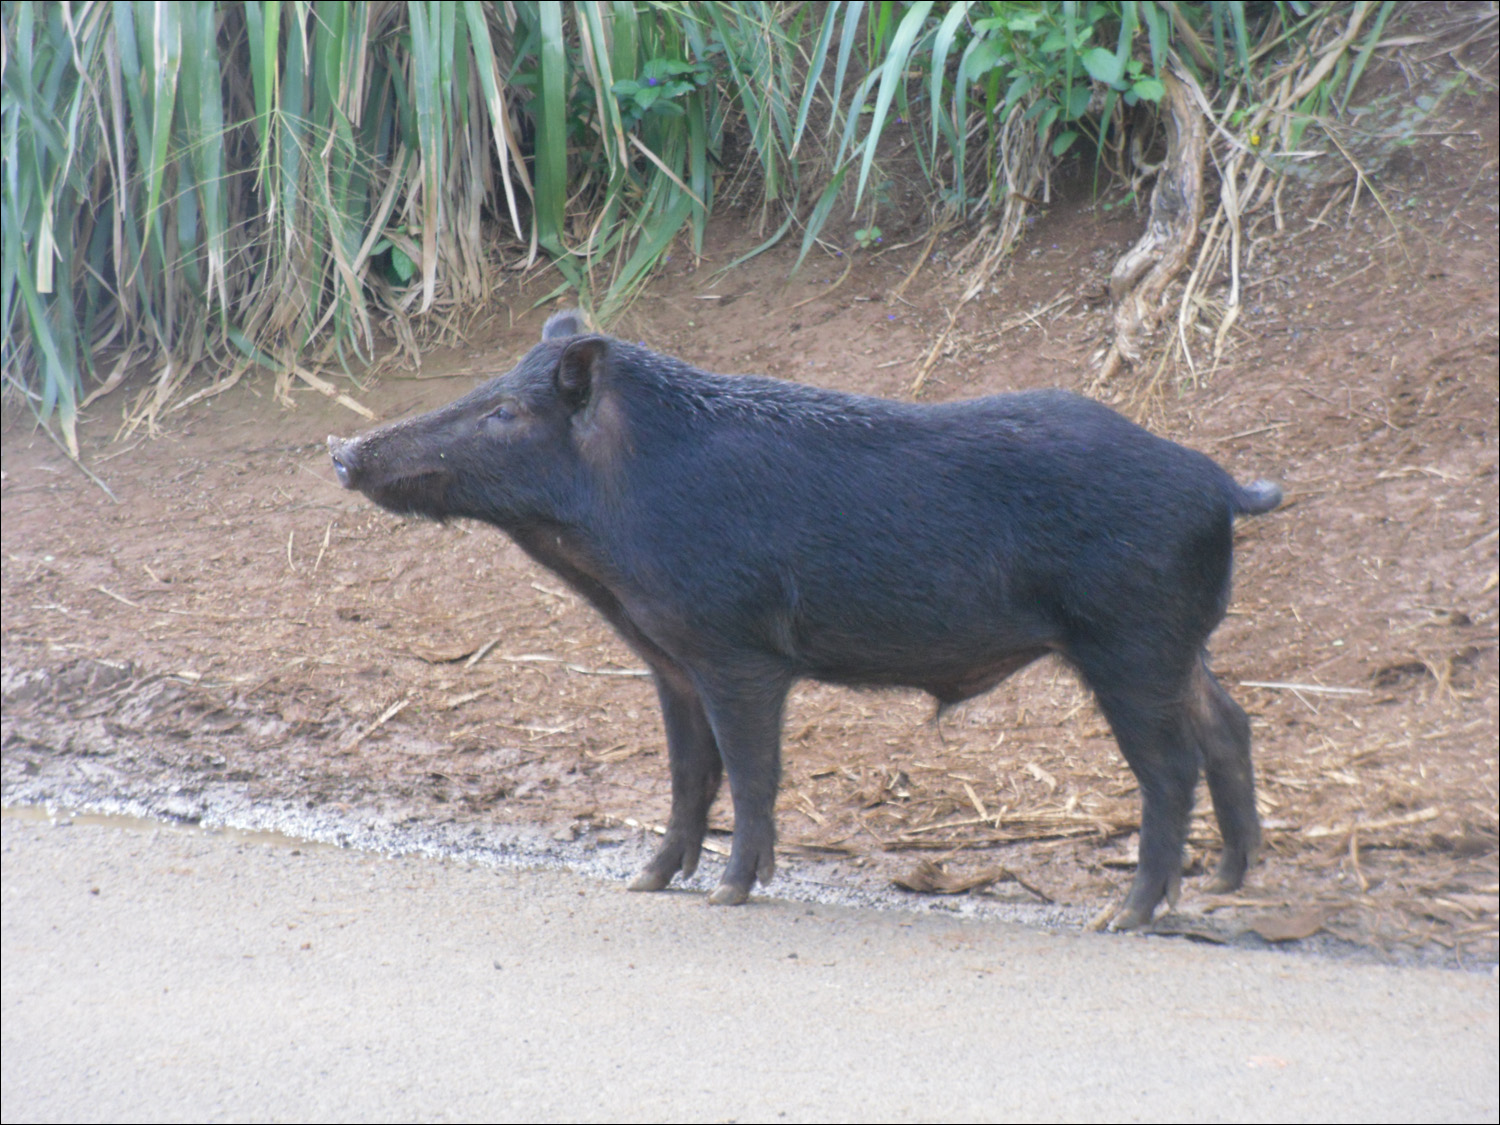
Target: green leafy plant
[
  {"x": 201, "y": 186},
  {"x": 661, "y": 88}
]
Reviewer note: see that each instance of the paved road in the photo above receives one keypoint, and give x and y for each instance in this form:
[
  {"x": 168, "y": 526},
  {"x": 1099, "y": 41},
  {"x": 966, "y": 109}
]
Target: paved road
[{"x": 177, "y": 975}]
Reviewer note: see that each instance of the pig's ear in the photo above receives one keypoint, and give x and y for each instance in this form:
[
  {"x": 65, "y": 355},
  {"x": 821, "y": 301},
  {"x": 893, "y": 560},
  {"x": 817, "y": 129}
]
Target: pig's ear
[
  {"x": 569, "y": 322},
  {"x": 580, "y": 369}
]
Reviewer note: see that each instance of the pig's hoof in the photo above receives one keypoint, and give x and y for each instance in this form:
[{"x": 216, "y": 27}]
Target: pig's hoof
[
  {"x": 1131, "y": 918},
  {"x": 1229, "y": 878},
  {"x": 1114, "y": 918},
  {"x": 649, "y": 880},
  {"x": 726, "y": 894}
]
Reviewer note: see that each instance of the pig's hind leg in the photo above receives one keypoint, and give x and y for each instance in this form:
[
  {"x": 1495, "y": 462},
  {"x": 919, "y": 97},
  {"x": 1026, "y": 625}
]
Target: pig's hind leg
[
  {"x": 696, "y": 773},
  {"x": 1151, "y": 725},
  {"x": 1222, "y": 732}
]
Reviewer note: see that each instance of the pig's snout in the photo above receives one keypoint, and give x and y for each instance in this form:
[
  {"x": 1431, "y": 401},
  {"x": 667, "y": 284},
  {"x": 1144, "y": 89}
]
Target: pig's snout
[{"x": 345, "y": 459}]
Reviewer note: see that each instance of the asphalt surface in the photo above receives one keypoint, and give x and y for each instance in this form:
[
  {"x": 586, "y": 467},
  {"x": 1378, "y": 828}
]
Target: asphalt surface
[{"x": 162, "y": 974}]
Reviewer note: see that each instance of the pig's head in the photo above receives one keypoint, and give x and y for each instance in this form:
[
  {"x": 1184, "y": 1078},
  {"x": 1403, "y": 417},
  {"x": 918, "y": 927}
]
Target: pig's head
[{"x": 508, "y": 452}]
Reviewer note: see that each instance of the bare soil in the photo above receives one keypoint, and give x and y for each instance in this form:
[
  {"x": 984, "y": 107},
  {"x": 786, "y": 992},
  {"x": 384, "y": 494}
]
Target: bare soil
[{"x": 231, "y": 617}]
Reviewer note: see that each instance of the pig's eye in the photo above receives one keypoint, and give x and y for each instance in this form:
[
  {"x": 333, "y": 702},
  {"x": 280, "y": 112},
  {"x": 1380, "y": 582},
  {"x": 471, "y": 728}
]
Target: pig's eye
[{"x": 500, "y": 414}]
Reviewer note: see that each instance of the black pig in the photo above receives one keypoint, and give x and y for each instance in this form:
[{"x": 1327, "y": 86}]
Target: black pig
[{"x": 742, "y": 533}]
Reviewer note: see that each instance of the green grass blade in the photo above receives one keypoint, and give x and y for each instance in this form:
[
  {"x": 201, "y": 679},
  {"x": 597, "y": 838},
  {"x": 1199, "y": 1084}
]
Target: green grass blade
[
  {"x": 596, "y": 57},
  {"x": 814, "y": 74},
  {"x": 699, "y": 179},
  {"x": 263, "y": 22},
  {"x": 492, "y": 86},
  {"x": 166, "y": 35},
  {"x": 819, "y": 215},
  {"x": 551, "y": 140},
  {"x": 781, "y": 232},
  {"x": 749, "y": 71},
  {"x": 203, "y": 100},
  {"x": 1365, "y": 51},
  {"x": 429, "y": 94},
  {"x": 893, "y": 73},
  {"x": 942, "y": 43},
  {"x": 1241, "y": 37},
  {"x": 856, "y": 110},
  {"x": 293, "y": 126},
  {"x": 60, "y": 379},
  {"x": 653, "y": 243},
  {"x": 846, "y": 48},
  {"x": 1158, "y": 31},
  {"x": 625, "y": 52}
]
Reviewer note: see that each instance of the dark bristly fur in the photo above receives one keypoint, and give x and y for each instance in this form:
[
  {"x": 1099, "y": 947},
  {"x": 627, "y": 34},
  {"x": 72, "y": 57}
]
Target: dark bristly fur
[{"x": 742, "y": 533}]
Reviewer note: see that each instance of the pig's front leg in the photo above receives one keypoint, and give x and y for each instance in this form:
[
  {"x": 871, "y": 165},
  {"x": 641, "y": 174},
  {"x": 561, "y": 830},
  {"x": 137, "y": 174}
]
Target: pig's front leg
[
  {"x": 746, "y": 718},
  {"x": 696, "y": 773}
]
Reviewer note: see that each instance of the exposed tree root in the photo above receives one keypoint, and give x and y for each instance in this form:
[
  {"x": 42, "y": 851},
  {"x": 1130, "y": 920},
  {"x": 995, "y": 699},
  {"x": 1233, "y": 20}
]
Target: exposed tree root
[{"x": 1141, "y": 276}]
